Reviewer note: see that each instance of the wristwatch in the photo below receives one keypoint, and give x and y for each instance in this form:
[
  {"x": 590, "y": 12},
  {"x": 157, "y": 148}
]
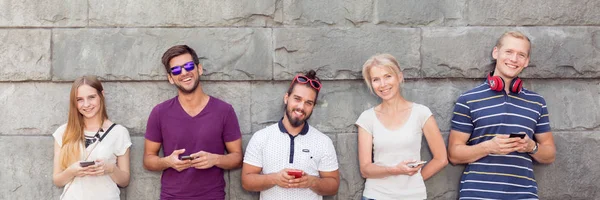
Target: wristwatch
[{"x": 535, "y": 149}]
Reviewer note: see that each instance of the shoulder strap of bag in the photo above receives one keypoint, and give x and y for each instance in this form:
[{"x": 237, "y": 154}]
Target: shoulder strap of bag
[{"x": 106, "y": 133}]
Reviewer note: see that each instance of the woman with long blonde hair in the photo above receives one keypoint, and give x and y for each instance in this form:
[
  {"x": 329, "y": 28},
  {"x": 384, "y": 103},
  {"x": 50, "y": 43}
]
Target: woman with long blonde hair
[
  {"x": 389, "y": 137},
  {"x": 91, "y": 153}
]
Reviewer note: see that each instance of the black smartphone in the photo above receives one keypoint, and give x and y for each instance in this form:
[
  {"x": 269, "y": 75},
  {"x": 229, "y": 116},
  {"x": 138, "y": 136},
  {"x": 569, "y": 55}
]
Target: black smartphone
[
  {"x": 86, "y": 163},
  {"x": 520, "y": 135},
  {"x": 186, "y": 158}
]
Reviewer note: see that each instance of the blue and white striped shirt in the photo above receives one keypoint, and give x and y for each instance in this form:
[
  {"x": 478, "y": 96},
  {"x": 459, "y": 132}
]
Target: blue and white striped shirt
[{"x": 485, "y": 113}]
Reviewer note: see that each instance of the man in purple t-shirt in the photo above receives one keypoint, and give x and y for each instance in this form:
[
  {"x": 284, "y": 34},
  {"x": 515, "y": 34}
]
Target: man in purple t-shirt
[{"x": 194, "y": 130}]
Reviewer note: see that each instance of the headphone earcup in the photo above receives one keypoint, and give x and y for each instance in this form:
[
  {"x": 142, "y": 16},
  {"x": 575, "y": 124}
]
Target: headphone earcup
[
  {"x": 496, "y": 83},
  {"x": 516, "y": 85}
]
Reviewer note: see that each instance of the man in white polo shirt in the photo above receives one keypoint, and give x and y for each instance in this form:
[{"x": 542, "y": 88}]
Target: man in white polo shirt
[{"x": 290, "y": 159}]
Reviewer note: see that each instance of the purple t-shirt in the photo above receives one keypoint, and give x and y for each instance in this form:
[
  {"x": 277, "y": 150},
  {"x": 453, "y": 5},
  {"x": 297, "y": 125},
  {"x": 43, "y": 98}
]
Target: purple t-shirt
[{"x": 208, "y": 131}]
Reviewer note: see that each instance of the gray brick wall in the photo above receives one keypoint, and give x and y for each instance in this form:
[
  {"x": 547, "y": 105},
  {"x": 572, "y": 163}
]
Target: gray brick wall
[{"x": 250, "y": 50}]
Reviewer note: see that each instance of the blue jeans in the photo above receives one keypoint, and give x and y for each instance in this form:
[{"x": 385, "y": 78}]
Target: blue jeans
[{"x": 365, "y": 198}]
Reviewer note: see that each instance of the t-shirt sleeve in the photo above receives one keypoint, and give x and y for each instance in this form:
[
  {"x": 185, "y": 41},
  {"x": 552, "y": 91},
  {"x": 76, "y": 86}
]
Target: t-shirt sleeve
[
  {"x": 58, "y": 134},
  {"x": 253, "y": 155},
  {"x": 461, "y": 116},
  {"x": 365, "y": 121},
  {"x": 123, "y": 142},
  {"x": 231, "y": 129},
  {"x": 153, "y": 132},
  {"x": 543, "y": 123},
  {"x": 424, "y": 114},
  {"x": 329, "y": 162}
]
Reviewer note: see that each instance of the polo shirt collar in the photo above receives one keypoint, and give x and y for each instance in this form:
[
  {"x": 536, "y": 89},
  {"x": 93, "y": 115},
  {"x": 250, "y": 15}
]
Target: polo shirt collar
[{"x": 283, "y": 130}]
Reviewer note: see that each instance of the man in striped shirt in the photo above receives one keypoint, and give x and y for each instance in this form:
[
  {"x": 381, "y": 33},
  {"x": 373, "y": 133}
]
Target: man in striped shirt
[{"x": 499, "y": 128}]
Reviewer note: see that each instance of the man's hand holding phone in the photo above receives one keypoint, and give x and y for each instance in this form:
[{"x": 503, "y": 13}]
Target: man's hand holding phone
[
  {"x": 186, "y": 158},
  {"x": 174, "y": 162},
  {"x": 526, "y": 144},
  {"x": 502, "y": 144},
  {"x": 517, "y": 135},
  {"x": 301, "y": 179},
  {"x": 295, "y": 173},
  {"x": 282, "y": 178},
  {"x": 204, "y": 160}
]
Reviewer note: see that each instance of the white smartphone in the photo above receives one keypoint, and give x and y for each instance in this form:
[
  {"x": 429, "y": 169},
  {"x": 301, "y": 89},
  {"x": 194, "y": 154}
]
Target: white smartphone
[{"x": 416, "y": 164}]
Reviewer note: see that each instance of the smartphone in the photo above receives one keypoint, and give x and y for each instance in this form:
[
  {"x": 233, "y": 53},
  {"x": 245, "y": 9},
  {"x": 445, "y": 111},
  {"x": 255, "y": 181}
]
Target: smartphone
[
  {"x": 86, "y": 163},
  {"x": 416, "y": 164},
  {"x": 520, "y": 135},
  {"x": 187, "y": 158},
  {"x": 295, "y": 173}
]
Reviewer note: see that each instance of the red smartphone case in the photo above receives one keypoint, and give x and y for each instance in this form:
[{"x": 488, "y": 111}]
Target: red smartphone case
[{"x": 295, "y": 173}]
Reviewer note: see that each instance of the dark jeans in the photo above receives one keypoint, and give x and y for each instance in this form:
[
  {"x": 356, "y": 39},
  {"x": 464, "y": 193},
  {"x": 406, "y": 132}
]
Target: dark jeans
[{"x": 365, "y": 198}]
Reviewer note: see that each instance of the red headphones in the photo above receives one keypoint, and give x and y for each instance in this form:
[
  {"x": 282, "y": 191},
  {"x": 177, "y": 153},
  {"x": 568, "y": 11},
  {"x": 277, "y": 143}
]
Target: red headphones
[{"x": 497, "y": 84}]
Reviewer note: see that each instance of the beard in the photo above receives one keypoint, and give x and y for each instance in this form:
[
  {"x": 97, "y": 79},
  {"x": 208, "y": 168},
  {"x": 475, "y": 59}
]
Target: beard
[
  {"x": 194, "y": 87},
  {"x": 296, "y": 122}
]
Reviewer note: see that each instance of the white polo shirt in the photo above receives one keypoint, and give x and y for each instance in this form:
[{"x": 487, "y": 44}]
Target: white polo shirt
[{"x": 273, "y": 149}]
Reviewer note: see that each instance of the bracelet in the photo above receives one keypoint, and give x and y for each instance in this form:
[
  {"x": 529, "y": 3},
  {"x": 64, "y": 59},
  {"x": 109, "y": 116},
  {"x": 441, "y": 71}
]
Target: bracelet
[{"x": 534, "y": 150}]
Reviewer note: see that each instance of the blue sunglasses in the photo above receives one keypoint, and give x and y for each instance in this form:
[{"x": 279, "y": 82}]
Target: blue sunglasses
[{"x": 189, "y": 66}]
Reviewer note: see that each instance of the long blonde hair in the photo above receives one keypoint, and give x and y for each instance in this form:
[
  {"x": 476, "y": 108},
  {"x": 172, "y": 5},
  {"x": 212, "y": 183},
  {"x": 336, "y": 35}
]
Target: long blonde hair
[{"x": 73, "y": 136}]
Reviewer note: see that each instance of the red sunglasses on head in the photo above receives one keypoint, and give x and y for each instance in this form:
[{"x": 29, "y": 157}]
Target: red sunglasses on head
[{"x": 304, "y": 80}]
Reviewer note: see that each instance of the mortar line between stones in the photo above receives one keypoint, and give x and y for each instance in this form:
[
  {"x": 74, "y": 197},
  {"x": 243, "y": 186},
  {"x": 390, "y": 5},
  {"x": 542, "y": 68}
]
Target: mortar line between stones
[
  {"x": 558, "y": 26},
  {"x": 88, "y": 13},
  {"x": 383, "y": 25},
  {"x": 273, "y": 37},
  {"x": 51, "y": 53},
  {"x": 273, "y": 54},
  {"x": 375, "y": 12},
  {"x": 421, "y": 73},
  {"x": 282, "y": 13}
]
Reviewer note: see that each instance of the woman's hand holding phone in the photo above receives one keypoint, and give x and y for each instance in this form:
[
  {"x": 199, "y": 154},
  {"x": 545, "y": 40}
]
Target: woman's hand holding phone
[
  {"x": 78, "y": 171},
  {"x": 416, "y": 164},
  {"x": 102, "y": 168},
  {"x": 402, "y": 168}
]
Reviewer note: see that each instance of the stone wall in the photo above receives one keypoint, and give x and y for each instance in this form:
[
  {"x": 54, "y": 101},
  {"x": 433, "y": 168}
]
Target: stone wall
[{"x": 251, "y": 50}]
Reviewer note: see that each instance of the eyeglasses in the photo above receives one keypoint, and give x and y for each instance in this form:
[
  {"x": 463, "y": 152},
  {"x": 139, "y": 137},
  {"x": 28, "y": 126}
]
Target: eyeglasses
[
  {"x": 189, "y": 66},
  {"x": 303, "y": 80}
]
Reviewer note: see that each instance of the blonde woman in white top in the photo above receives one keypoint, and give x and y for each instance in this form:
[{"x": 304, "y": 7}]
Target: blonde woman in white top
[
  {"x": 389, "y": 137},
  {"x": 83, "y": 138}
]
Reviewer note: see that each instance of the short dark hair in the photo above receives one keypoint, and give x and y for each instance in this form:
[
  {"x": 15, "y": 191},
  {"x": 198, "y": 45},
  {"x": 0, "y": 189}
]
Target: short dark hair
[
  {"x": 311, "y": 74},
  {"x": 177, "y": 51}
]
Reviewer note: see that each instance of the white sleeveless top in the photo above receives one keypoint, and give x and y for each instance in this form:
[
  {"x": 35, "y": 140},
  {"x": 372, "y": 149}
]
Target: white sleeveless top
[
  {"x": 391, "y": 147},
  {"x": 116, "y": 143}
]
